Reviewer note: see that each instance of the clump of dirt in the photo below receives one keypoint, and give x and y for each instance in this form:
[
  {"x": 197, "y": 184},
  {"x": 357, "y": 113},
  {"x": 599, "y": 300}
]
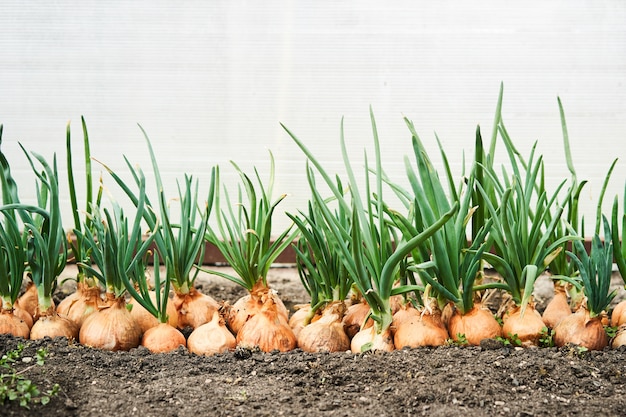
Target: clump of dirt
[{"x": 492, "y": 379}]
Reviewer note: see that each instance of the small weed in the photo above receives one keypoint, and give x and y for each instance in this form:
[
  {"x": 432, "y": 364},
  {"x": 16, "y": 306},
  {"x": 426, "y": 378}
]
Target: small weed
[
  {"x": 510, "y": 340},
  {"x": 546, "y": 338},
  {"x": 460, "y": 340},
  {"x": 611, "y": 331},
  {"x": 14, "y": 386}
]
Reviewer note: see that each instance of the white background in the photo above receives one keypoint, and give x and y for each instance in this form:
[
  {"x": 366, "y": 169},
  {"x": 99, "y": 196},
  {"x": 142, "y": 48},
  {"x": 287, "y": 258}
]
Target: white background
[{"x": 210, "y": 81}]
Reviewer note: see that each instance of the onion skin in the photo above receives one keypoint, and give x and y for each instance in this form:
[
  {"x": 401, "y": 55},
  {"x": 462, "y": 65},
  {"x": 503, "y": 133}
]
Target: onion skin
[
  {"x": 194, "y": 308},
  {"x": 476, "y": 325},
  {"x": 374, "y": 341},
  {"x": 557, "y": 309},
  {"x": 29, "y": 301},
  {"x": 249, "y": 305},
  {"x": 111, "y": 328},
  {"x": 80, "y": 304},
  {"x": 54, "y": 325},
  {"x": 13, "y": 325},
  {"x": 414, "y": 328},
  {"x": 211, "y": 338},
  {"x": 618, "y": 317},
  {"x": 526, "y": 328},
  {"x": 163, "y": 338},
  {"x": 24, "y": 315},
  {"x": 268, "y": 330},
  {"x": 581, "y": 329},
  {"x": 355, "y": 318},
  {"x": 326, "y": 334},
  {"x": 299, "y": 319}
]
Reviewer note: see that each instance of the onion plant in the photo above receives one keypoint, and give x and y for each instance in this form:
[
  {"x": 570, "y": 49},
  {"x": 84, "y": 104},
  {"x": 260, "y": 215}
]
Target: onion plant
[
  {"x": 46, "y": 247},
  {"x": 522, "y": 242},
  {"x": 585, "y": 327},
  {"x": 367, "y": 257},
  {"x": 243, "y": 233},
  {"x": 323, "y": 274},
  {"x": 12, "y": 240},
  {"x": 453, "y": 265},
  {"x": 596, "y": 269},
  {"x": 115, "y": 247},
  {"x": 181, "y": 244}
]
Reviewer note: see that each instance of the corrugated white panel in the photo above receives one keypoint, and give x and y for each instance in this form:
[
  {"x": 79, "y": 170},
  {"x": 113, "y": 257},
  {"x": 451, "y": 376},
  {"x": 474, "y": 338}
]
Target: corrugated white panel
[{"x": 210, "y": 82}]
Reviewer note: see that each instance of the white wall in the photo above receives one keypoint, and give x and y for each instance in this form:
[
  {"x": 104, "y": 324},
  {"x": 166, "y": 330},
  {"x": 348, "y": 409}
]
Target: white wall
[{"x": 211, "y": 80}]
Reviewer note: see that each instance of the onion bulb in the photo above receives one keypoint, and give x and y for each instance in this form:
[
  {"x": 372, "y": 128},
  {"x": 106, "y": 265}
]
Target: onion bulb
[
  {"x": 249, "y": 305},
  {"x": 558, "y": 308},
  {"x": 111, "y": 328},
  {"x": 476, "y": 325},
  {"x": 211, "y": 338},
  {"x": 163, "y": 338},
  {"x": 326, "y": 334},
  {"x": 194, "y": 308},
  {"x": 618, "y": 317},
  {"x": 581, "y": 329},
  {"x": 368, "y": 339},
  {"x": 526, "y": 328},
  {"x": 146, "y": 320},
  {"x": 268, "y": 330},
  {"x": 355, "y": 318},
  {"x": 54, "y": 325},
  {"x": 415, "y": 328},
  {"x": 13, "y": 325},
  {"x": 81, "y": 303}
]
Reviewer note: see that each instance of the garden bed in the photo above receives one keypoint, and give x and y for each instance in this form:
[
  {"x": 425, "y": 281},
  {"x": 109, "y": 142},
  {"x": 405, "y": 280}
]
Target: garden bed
[{"x": 447, "y": 381}]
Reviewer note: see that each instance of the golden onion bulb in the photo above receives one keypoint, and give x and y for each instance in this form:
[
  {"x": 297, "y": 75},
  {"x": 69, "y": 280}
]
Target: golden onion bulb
[
  {"x": 557, "y": 309},
  {"x": 326, "y": 334},
  {"x": 618, "y": 317},
  {"x": 81, "y": 303},
  {"x": 368, "y": 339},
  {"x": 268, "y": 330},
  {"x": 211, "y": 338},
  {"x": 581, "y": 329},
  {"x": 194, "y": 308},
  {"x": 111, "y": 328},
  {"x": 415, "y": 328},
  {"x": 13, "y": 325},
  {"x": 163, "y": 338},
  {"x": 476, "y": 325},
  {"x": 526, "y": 328},
  {"x": 54, "y": 325}
]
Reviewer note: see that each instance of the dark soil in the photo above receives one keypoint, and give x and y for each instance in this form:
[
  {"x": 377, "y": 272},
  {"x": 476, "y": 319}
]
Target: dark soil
[{"x": 449, "y": 381}]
